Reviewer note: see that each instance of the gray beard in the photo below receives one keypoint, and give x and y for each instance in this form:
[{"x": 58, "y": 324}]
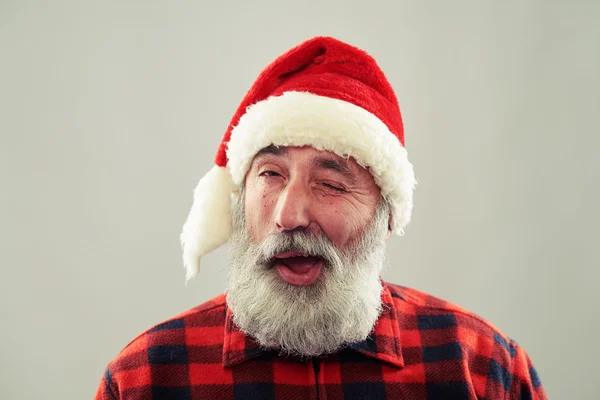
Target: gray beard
[{"x": 340, "y": 308}]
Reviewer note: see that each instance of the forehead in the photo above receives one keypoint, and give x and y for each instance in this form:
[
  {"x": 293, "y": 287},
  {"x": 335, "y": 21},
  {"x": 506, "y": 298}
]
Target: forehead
[{"x": 307, "y": 153}]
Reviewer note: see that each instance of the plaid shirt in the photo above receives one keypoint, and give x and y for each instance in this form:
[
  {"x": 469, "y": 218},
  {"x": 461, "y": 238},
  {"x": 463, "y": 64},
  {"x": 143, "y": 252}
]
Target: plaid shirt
[{"x": 421, "y": 348}]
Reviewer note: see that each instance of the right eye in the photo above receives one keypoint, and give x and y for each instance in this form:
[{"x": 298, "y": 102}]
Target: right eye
[{"x": 269, "y": 173}]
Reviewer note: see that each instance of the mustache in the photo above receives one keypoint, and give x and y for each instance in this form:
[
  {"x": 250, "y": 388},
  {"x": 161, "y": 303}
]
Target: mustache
[{"x": 300, "y": 241}]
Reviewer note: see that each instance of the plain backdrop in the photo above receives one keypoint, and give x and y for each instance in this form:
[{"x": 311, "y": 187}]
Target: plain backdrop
[{"x": 111, "y": 112}]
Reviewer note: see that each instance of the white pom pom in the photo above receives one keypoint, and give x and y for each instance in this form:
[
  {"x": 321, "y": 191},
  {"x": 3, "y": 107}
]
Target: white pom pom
[{"x": 208, "y": 225}]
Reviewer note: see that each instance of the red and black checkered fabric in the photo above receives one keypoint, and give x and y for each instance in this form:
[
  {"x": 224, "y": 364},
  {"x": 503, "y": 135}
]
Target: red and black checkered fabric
[{"x": 421, "y": 348}]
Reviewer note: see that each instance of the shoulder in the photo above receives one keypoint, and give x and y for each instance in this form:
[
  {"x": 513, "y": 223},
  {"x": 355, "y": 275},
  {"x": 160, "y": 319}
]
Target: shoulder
[
  {"x": 441, "y": 327},
  {"x": 433, "y": 313},
  {"x": 166, "y": 343},
  {"x": 210, "y": 314},
  {"x": 441, "y": 333}
]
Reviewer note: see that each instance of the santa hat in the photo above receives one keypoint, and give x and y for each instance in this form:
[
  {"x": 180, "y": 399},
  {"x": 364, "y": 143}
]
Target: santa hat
[{"x": 323, "y": 93}]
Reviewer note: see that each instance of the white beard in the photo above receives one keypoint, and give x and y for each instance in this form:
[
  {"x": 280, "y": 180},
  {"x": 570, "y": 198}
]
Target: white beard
[{"x": 340, "y": 308}]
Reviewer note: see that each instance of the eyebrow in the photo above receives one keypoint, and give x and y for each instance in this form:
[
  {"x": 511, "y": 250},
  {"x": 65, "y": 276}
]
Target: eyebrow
[
  {"x": 272, "y": 149},
  {"x": 334, "y": 165}
]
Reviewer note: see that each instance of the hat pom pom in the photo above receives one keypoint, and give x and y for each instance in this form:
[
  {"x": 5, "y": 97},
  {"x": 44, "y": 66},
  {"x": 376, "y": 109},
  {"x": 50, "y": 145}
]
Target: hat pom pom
[{"x": 208, "y": 225}]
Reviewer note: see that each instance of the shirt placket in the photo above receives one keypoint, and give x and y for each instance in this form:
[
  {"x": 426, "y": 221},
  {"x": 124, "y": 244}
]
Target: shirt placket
[{"x": 314, "y": 369}]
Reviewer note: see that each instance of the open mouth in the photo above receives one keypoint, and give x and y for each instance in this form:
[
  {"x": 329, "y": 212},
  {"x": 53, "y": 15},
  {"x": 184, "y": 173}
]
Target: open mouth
[{"x": 298, "y": 268}]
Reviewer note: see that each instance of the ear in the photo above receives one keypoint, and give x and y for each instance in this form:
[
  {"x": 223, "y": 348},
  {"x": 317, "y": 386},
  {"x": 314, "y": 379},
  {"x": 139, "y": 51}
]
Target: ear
[{"x": 389, "y": 229}]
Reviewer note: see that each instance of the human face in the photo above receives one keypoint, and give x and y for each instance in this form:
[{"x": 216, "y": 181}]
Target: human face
[
  {"x": 305, "y": 189},
  {"x": 340, "y": 307}
]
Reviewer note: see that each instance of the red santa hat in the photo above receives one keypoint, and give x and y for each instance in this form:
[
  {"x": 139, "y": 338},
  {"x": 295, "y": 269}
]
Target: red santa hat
[{"x": 323, "y": 93}]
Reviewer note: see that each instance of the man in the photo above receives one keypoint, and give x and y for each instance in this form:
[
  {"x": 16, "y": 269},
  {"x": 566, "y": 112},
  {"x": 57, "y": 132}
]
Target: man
[{"x": 310, "y": 180}]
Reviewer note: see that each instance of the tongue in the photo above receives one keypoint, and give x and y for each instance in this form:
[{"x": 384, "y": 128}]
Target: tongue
[{"x": 299, "y": 265}]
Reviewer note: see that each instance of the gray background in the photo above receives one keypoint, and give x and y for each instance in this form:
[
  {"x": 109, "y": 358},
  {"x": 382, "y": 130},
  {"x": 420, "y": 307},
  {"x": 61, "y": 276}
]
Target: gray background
[{"x": 112, "y": 111}]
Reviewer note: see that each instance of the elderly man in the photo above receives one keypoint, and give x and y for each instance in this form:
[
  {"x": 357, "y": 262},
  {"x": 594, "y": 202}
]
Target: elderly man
[{"x": 310, "y": 180}]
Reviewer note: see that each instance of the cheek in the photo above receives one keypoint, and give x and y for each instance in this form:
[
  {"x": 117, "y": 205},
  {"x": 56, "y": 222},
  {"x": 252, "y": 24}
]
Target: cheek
[
  {"x": 341, "y": 220},
  {"x": 336, "y": 219},
  {"x": 259, "y": 204}
]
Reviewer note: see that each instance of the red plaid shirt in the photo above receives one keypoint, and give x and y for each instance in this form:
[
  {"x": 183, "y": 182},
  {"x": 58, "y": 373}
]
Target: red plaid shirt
[{"x": 421, "y": 348}]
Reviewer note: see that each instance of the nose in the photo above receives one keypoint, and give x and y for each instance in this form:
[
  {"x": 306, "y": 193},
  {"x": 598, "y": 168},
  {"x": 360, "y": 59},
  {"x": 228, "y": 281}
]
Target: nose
[{"x": 293, "y": 205}]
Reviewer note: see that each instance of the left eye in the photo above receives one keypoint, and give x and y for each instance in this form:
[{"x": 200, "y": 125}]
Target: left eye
[{"x": 336, "y": 188}]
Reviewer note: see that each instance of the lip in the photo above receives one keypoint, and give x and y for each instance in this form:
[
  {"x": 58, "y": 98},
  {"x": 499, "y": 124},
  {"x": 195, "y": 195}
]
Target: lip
[
  {"x": 290, "y": 254},
  {"x": 299, "y": 279}
]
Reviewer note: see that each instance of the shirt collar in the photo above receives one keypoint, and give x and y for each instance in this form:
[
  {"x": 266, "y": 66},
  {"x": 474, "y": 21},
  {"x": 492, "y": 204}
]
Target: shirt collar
[{"x": 383, "y": 344}]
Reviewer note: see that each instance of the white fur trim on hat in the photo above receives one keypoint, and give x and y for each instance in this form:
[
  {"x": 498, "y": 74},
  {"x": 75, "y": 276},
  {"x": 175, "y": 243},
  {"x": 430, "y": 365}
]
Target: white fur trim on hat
[
  {"x": 306, "y": 119},
  {"x": 208, "y": 225}
]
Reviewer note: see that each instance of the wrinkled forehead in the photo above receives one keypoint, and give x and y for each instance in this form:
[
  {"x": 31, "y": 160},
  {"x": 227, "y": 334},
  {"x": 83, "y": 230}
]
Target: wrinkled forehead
[{"x": 317, "y": 157}]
